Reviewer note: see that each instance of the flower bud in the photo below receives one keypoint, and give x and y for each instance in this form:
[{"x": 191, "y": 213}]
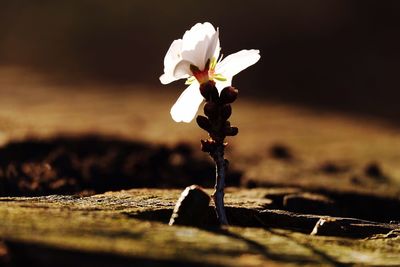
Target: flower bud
[
  {"x": 226, "y": 112},
  {"x": 231, "y": 131},
  {"x": 228, "y": 95},
  {"x": 208, "y": 145},
  {"x": 209, "y": 91},
  {"x": 203, "y": 123},
  {"x": 211, "y": 109}
]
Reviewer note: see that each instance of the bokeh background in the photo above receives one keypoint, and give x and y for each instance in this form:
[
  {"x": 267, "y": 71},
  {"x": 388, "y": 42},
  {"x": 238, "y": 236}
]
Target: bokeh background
[{"x": 340, "y": 55}]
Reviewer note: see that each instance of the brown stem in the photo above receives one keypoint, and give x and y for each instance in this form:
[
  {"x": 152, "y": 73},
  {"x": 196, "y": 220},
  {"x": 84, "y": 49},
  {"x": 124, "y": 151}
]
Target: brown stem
[
  {"x": 218, "y": 195},
  {"x": 218, "y": 110}
]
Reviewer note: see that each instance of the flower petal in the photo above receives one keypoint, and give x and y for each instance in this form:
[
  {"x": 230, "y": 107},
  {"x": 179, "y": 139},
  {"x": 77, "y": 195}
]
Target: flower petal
[
  {"x": 235, "y": 63},
  {"x": 213, "y": 47},
  {"x": 173, "y": 54},
  {"x": 166, "y": 79},
  {"x": 198, "y": 45},
  {"x": 200, "y": 40},
  {"x": 222, "y": 84},
  {"x": 182, "y": 69},
  {"x": 171, "y": 59},
  {"x": 187, "y": 105}
]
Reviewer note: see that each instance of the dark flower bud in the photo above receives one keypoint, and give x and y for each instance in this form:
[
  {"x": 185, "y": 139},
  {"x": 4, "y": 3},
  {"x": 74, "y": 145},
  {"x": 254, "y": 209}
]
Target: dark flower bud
[
  {"x": 211, "y": 109},
  {"x": 203, "y": 123},
  {"x": 208, "y": 145},
  {"x": 209, "y": 91},
  {"x": 228, "y": 95},
  {"x": 231, "y": 131},
  {"x": 226, "y": 112}
]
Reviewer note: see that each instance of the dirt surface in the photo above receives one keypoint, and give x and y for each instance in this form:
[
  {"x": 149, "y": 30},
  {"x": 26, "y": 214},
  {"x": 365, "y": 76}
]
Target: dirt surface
[
  {"x": 306, "y": 171},
  {"x": 277, "y": 144},
  {"x": 95, "y": 164}
]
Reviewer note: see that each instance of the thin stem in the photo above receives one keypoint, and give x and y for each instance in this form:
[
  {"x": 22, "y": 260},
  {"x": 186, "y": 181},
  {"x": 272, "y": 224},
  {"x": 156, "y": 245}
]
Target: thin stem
[
  {"x": 218, "y": 195},
  {"x": 218, "y": 110}
]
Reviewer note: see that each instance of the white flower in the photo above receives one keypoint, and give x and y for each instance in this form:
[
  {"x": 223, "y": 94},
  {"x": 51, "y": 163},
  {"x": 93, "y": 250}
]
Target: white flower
[{"x": 195, "y": 58}]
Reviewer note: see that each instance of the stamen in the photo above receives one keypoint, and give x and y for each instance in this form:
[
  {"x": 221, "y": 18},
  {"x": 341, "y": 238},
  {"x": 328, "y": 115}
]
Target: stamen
[
  {"x": 220, "y": 58},
  {"x": 190, "y": 80}
]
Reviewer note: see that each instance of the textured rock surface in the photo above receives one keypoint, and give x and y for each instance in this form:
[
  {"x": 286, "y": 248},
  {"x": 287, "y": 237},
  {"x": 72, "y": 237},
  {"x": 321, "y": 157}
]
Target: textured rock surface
[
  {"x": 333, "y": 162},
  {"x": 126, "y": 227}
]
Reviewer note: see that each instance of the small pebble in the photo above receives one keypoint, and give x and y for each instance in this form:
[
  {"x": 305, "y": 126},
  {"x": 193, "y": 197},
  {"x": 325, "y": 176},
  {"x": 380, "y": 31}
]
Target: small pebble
[
  {"x": 191, "y": 208},
  {"x": 251, "y": 184},
  {"x": 355, "y": 180},
  {"x": 282, "y": 152},
  {"x": 373, "y": 170}
]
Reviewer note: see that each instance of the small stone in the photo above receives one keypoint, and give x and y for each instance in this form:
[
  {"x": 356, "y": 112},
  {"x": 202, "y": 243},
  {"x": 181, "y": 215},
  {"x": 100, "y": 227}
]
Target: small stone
[
  {"x": 192, "y": 207},
  {"x": 251, "y": 184},
  {"x": 327, "y": 226},
  {"x": 282, "y": 152},
  {"x": 355, "y": 180},
  {"x": 373, "y": 170},
  {"x": 348, "y": 227},
  {"x": 330, "y": 168}
]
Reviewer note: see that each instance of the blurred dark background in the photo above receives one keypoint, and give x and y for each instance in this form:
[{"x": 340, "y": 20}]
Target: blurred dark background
[{"x": 341, "y": 55}]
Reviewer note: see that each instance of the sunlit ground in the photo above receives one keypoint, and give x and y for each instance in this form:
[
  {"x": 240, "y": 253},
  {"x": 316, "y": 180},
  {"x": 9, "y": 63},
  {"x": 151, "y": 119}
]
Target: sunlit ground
[{"x": 35, "y": 106}]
